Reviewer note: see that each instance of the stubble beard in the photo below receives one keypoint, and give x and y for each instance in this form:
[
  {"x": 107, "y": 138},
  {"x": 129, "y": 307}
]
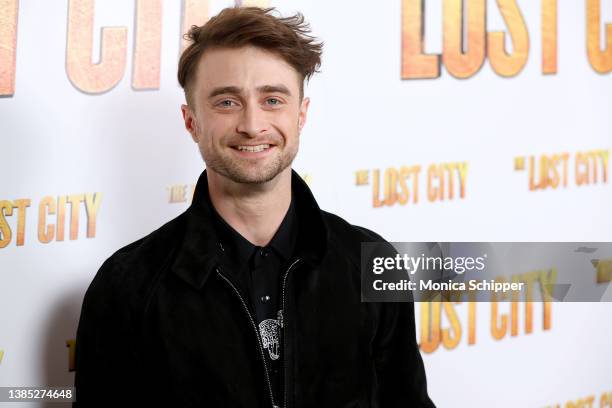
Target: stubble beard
[
  {"x": 243, "y": 171},
  {"x": 244, "y": 174}
]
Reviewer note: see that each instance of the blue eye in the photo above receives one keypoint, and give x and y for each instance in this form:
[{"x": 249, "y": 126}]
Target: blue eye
[
  {"x": 226, "y": 103},
  {"x": 273, "y": 101}
]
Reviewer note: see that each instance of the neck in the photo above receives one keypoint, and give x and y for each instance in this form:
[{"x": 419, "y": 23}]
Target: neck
[{"x": 254, "y": 210}]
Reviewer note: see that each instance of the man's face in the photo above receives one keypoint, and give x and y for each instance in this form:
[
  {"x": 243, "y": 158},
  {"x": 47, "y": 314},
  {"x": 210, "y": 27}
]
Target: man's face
[{"x": 246, "y": 114}]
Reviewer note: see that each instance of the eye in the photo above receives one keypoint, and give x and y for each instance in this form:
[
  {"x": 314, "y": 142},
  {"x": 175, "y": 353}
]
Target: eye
[
  {"x": 273, "y": 101},
  {"x": 226, "y": 103}
]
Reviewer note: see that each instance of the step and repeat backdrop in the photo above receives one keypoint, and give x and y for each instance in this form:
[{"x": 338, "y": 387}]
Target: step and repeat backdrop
[{"x": 432, "y": 120}]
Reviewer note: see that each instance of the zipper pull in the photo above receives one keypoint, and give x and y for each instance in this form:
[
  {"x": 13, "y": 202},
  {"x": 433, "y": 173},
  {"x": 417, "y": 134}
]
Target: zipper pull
[{"x": 280, "y": 318}]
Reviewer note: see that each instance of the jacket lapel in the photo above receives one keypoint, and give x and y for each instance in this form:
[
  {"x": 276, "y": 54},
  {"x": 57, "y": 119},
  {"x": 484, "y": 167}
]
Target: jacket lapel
[{"x": 199, "y": 252}]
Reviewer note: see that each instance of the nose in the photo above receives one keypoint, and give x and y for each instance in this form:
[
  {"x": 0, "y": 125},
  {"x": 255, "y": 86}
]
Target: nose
[{"x": 252, "y": 122}]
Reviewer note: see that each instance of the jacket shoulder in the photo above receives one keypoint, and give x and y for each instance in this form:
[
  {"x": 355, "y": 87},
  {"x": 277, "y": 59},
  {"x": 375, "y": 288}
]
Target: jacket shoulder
[
  {"x": 137, "y": 263},
  {"x": 346, "y": 238},
  {"x": 341, "y": 228}
]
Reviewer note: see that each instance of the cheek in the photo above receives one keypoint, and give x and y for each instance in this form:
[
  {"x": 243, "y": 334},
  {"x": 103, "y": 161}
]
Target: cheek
[
  {"x": 217, "y": 129},
  {"x": 289, "y": 124}
]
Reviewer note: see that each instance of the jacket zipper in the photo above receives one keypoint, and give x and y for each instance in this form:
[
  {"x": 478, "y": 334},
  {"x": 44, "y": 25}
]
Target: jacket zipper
[
  {"x": 281, "y": 323},
  {"x": 259, "y": 343}
]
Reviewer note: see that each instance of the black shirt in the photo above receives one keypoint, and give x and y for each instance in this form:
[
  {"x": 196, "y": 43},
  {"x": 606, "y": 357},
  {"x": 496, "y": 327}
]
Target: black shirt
[{"x": 258, "y": 272}]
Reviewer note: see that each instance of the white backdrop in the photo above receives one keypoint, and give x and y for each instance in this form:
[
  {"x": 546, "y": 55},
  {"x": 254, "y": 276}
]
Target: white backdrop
[{"x": 128, "y": 146}]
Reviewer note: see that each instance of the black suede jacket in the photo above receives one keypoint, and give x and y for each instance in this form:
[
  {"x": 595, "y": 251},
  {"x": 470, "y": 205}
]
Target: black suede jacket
[{"x": 163, "y": 323}]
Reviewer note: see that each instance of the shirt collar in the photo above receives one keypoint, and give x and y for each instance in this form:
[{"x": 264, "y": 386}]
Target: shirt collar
[{"x": 241, "y": 249}]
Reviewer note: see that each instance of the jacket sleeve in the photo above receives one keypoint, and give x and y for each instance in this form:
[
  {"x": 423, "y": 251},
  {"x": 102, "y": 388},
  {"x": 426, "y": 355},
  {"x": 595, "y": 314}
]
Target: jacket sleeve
[
  {"x": 101, "y": 354},
  {"x": 399, "y": 366},
  {"x": 400, "y": 371}
]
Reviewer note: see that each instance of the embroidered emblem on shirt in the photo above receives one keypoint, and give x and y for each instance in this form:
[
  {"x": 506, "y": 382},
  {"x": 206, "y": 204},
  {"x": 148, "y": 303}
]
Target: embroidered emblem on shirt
[{"x": 269, "y": 335}]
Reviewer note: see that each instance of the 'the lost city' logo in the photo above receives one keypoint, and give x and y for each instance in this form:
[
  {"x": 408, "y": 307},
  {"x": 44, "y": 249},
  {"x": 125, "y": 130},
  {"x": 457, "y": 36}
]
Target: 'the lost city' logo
[
  {"x": 518, "y": 304},
  {"x": 443, "y": 181},
  {"x": 603, "y": 268},
  {"x": 180, "y": 193},
  {"x": 51, "y": 217},
  {"x": 605, "y": 401},
  {"x": 551, "y": 171},
  {"x": 467, "y": 43},
  {"x": 95, "y": 78}
]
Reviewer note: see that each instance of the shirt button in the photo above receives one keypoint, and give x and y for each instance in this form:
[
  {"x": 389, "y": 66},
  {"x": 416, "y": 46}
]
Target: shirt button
[
  {"x": 265, "y": 299},
  {"x": 221, "y": 247},
  {"x": 264, "y": 252}
]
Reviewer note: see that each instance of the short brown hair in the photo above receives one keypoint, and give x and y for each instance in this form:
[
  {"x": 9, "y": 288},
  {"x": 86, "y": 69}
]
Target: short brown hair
[{"x": 234, "y": 27}]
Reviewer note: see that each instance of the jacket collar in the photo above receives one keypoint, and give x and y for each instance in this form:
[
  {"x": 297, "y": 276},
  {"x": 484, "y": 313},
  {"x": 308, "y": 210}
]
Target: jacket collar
[{"x": 200, "y": 251}]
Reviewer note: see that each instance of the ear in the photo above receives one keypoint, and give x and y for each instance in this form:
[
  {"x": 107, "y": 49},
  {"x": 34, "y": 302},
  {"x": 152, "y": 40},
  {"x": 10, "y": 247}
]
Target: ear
[
  {"x": 303, "y": 113},
  {"x": 190, "y": 122}
]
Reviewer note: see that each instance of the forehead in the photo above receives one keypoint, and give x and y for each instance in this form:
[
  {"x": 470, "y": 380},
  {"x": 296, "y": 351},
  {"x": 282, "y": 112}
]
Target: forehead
[{"x": 246, "y": 67}]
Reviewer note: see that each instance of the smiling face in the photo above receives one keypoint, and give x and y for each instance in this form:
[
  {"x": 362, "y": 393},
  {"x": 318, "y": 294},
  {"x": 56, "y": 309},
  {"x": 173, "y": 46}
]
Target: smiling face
[{"x": 245, "y": 113}]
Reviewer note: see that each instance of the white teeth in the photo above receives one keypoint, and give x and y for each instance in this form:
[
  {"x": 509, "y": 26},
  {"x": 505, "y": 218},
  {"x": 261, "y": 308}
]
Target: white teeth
[{"x": 254, "y": 149}]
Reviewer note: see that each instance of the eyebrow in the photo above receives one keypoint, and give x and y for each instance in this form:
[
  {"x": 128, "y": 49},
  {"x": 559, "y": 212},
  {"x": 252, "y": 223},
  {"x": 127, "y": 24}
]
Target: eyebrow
[
  {"x": 274, "y": 88},
  {"x": 234, "y": 90},
  {"x": 224, "y": 90}
]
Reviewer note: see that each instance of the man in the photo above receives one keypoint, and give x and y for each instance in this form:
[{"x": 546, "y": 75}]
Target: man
[{"x": 251, "y": 298}]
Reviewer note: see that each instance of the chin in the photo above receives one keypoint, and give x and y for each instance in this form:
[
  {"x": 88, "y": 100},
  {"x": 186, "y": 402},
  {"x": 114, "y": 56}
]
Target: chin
[{"x": 252, "y": 176}]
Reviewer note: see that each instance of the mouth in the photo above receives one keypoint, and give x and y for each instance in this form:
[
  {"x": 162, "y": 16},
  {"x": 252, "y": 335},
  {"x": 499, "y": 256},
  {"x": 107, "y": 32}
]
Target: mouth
[
  {"x": 256, "y": 150},
  {"x": 253, "y": 148}
]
